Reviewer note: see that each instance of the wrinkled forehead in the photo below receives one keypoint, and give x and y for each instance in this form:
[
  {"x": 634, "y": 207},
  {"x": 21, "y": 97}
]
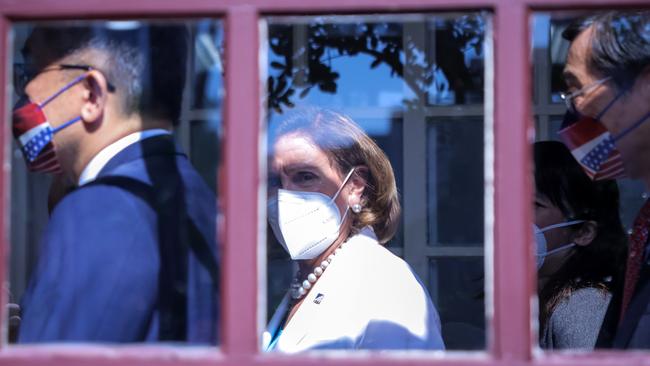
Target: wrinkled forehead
[
  {"x": 295, "y": 148},
  {"x": 292, "y": 144},
  {"x": 578, "y": 69}
]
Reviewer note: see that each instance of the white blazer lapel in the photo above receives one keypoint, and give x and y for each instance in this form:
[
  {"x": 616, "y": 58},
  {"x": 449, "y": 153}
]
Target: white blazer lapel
[
  {"x": 275, "y": 322},
  {"x": 314, "y": 315},
  {"x": 301, "y": 323}
]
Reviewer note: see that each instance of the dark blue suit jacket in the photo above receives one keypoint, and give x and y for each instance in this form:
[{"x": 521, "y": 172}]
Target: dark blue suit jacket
[{"x": 130, "y": 257}]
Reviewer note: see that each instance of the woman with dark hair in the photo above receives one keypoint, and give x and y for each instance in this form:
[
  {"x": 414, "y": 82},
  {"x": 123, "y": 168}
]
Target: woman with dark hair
[
  {"x": 333, "y": 202},
  {"x": 581, "y": 249}
]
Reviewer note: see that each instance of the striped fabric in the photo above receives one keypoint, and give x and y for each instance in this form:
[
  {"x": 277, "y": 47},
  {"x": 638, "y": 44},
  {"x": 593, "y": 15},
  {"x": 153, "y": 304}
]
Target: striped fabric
[
  {"x": 34, "y": 137},
  {"x": 593, "y": 147}
]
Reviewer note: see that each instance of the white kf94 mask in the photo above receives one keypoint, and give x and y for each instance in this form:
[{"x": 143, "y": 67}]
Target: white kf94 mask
[{"x": 306, "y": 223}]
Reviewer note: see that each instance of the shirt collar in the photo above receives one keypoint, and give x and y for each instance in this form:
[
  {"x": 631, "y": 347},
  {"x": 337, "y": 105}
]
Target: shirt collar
[{"x": 98, "y": 162}]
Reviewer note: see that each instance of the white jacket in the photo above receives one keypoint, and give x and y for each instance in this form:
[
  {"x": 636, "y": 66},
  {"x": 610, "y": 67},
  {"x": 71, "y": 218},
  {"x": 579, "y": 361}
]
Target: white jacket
[{"x": 367, "y": 298}]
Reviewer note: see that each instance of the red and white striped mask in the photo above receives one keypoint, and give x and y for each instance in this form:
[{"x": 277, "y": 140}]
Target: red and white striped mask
[
  {"x": 34, "y": 134},
  {"x": 593, "y": 146}
]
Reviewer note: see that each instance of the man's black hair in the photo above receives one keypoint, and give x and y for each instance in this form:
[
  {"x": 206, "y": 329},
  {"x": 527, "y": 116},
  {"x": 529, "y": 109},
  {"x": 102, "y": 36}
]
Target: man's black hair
[
  {"x": 620, "y": 46},
  {"x": 146, "y": 63}
]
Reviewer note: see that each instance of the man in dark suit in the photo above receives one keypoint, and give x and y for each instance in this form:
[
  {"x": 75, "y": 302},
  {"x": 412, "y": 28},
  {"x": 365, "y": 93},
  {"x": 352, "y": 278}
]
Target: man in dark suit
[
  {"x": 608, "y": 129},
  {"x": 130, "y": 254}
]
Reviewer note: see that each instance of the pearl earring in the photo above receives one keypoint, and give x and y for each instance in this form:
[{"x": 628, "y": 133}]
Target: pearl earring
[{"x": 356, "y": 208}]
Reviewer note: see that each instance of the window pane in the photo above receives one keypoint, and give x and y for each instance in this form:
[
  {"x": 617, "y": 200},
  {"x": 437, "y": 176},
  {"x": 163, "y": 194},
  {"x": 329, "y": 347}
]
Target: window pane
[
  {"x": 558, "y": 51},
  {"x": 455, "y": 181},
  {"x": 389, "y": 108},
  {"x": 456, "y": 284},
  {"x": 590, "y": 293},
  {"x": 455, "y": 56},
  {"x": 205, "y": 148},
  {"x": 114, "y": 173}
]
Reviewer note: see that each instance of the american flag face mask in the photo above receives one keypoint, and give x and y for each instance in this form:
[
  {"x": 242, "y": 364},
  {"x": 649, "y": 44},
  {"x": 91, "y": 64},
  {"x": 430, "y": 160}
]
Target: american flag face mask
[
  {"x": 34, "y": 133},
  {"x": 593, "y": 146}
]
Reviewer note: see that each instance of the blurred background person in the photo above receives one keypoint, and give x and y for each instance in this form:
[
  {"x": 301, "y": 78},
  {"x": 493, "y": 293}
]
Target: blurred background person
[{"x": 581, "y": 249}]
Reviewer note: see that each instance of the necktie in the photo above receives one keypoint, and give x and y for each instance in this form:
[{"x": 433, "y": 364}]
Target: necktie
[{"x": 635, "y": 255}]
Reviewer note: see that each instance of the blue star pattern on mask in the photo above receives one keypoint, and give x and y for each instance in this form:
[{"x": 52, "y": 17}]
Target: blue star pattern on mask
[
  {"x": 595, "y": 158},
  {"x": 37, "y": 143}
]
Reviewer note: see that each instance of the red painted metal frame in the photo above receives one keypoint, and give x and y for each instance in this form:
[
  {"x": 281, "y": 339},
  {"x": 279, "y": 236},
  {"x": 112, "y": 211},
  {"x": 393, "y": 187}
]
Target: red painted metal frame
[
  {"x": 510, "y": 327},
  {"x": 243, "y": 106}
]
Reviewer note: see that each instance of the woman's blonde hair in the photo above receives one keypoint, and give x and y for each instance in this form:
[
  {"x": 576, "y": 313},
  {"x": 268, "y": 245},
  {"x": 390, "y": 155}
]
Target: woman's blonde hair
[{"x": 348, "y": 146}]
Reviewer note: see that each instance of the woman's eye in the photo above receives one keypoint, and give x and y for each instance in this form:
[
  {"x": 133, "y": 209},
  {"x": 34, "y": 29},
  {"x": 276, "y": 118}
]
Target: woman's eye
[{"x": 304, "y": 178}]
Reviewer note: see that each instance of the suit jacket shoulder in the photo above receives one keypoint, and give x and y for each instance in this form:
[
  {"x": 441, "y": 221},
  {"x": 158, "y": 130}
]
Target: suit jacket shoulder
[
  {"x": 96, "y": 277},
  {"x": 108, "y": 254}
]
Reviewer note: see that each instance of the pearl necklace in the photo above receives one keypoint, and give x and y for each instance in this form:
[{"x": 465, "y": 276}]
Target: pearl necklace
[{"x": 299, "y": 289}]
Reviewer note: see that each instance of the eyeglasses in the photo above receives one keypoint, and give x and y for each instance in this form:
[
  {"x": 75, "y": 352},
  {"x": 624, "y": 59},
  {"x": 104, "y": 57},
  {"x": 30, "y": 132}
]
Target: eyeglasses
[
  {"x": 568, "y": 97},
  {"x": 24, "y": 73}
]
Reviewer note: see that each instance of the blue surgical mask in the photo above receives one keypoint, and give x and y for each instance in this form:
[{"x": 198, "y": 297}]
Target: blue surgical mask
[{"x": 542, "y": 251}]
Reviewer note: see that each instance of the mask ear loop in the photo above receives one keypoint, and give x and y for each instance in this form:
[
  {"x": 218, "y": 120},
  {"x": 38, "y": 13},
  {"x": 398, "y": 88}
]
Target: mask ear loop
[
  {"x": 561, "y": 224},
  {"x": 610, "y": 104},
  {"x": 633, "y": 127},
  {"x": 51, "y": 98},
  {"x": 564, "y": 247},
  {"x": 345, "y": 181},
  {"x": 347, "y": 208},
  {"x": 66, "y": 87},
  {"x": 66, "y": 124}
]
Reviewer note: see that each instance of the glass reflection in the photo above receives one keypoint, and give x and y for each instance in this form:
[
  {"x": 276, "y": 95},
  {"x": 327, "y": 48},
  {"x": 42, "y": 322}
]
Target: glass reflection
[
  {"x": 439, "y": 60},
  {"x": 332, "y": 202},
  {"x": 117, "y": 243},
  {"x": 590, "y": 294},
  {"x": 414, "y": 83}
]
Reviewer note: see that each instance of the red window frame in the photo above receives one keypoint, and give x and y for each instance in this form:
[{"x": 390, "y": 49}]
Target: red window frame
[{"x": 510, "y": 330}]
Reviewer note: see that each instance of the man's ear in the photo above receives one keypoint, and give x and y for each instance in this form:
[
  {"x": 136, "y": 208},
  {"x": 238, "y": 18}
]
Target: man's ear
[
  {"x": 357, "y": 184},
  {"x": 586, "y": 234},
  {"x": 94, "y": 97}
]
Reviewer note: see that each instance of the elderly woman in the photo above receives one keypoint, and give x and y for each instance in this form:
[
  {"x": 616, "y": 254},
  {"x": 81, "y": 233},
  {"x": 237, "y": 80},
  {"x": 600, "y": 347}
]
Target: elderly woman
[{"x": 333, "y": 203}]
